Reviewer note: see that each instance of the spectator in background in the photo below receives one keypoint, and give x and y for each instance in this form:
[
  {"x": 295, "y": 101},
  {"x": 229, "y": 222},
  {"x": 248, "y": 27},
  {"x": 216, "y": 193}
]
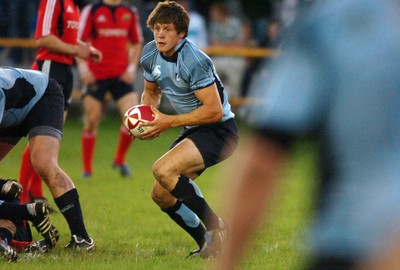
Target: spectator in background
[
  {"x": 17, "y": 17},
  {"x": 114, "y": 28},
  {"x": 288, "y": 11},
  {"x": 57, "y": 40},
  {"x": 146, "y": 8},
  {"x": 270, "y": 40},
  {"x": 258, "y": 12},
  {"x": 198, "y": 32},
  {"x": 226, "y": 30},
  {"x": 337, "y": 81}
]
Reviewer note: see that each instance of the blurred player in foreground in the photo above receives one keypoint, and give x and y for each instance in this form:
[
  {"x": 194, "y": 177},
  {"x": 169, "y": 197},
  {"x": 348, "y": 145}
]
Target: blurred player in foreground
[
  {"x": 174, "y": 66},
  {"x": 32, "y": 104},
  {"x": 338, "y": 79},
  {"x": 113, "y": 27}
]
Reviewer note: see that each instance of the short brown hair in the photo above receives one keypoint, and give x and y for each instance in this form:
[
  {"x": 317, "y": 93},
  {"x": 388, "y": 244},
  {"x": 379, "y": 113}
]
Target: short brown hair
[{"x": 170, "y": 12}]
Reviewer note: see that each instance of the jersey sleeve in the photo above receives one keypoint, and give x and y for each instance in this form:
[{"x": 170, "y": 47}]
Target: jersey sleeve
[
  {"x": 48, "y": 13},
  {"x": 136, "y": 34},
  {"x": 85, "y": 23},
  {"x": 202, "y": 74},
  {"x": 146, "y": 61}
]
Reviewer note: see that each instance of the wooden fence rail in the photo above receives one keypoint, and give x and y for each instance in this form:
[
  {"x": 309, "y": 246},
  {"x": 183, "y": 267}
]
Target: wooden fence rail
[{"x": 212, "y": 51}]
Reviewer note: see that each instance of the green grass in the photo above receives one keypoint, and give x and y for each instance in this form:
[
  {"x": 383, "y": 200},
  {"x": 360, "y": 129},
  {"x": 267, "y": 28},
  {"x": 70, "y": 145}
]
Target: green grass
[{"x": 129, "y": 229}]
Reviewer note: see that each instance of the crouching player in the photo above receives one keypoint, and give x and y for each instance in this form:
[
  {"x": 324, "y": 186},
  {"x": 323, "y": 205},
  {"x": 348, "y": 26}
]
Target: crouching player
[{"x": 32, "y": 104}]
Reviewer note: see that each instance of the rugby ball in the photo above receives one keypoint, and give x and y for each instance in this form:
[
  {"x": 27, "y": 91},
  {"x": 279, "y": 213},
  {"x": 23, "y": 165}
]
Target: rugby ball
[{"x": 135, "y": 116}]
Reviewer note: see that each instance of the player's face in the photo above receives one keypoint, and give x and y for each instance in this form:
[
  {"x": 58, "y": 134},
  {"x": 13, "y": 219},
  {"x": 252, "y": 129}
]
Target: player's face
[{"x": 166, "y": 38}]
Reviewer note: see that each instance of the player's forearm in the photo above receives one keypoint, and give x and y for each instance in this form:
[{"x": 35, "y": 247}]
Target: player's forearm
[
  {"x": 151, "y": 97},
  {"x": 260, "y": 167},
  {"x": 55, "y": 44},
  {"x": 134, "y": 53},
  {"x": 201, "y": 116}
]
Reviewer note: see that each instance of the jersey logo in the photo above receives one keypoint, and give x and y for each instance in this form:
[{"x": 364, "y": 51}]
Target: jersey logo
[
  {"x": 126, "y": 17},
  {"x": 101, "y": 18},
  {"x": 177, "y": 78},
  {"x": 69, "y": 9},
  {"x": 156, "y": 72}
]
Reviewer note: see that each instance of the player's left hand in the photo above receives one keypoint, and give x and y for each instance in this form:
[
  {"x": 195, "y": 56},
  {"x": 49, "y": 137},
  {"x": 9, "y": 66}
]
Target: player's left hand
[{"x": 156, "y": 127}]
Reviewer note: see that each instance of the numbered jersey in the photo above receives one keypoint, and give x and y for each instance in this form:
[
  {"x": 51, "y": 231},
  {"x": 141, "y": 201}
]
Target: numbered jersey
[{"x": 61, "y": 19}]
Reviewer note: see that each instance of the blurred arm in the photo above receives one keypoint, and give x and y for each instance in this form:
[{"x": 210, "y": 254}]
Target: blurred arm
[{"x": 258, "y": 170}]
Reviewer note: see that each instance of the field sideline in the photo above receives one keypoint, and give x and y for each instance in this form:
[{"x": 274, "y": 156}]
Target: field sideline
[{"x": 129, "y": 229}]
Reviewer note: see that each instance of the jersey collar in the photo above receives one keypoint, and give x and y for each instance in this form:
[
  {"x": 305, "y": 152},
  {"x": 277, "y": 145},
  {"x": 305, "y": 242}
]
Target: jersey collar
[{"x": 178, "y": 48}]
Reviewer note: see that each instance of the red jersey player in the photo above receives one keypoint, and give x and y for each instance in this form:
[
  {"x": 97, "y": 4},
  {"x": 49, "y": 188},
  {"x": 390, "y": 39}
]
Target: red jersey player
[
  {"x": 113, "y": 27},
  {"x": 57, "y": 40}
]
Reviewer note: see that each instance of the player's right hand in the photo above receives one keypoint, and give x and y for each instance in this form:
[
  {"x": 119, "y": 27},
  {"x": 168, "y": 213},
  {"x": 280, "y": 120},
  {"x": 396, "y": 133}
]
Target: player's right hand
[{"x": 11, "y": 189}]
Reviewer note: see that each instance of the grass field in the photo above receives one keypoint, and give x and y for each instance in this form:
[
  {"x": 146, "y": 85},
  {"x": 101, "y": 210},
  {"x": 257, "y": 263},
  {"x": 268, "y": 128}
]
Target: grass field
[{"x": 129, "y": 229}]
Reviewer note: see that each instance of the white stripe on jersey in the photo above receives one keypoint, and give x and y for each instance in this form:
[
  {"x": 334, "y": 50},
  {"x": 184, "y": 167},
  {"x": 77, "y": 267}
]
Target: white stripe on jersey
[
  {"x": 83, "y": 19},
  {"x": 48, "y": 17}
]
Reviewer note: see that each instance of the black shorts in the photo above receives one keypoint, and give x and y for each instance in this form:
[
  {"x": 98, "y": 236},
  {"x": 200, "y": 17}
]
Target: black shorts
[
  {"x": 215, "y": 142},
  {"x": 115, "y": 86},
  {"x": 45, "y": 118},
  {"x": 23, "y": 232},
  {"x": 62, "y": 73}
]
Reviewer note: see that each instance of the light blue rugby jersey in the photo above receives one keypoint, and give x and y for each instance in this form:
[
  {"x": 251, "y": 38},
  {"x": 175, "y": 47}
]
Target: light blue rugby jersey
[
  {"x": 24, "y": 88},
  {"x": 181, "y": 75}
]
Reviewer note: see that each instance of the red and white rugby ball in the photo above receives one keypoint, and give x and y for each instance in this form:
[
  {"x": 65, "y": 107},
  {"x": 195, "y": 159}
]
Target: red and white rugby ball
[{"x": 135, "y": 116}]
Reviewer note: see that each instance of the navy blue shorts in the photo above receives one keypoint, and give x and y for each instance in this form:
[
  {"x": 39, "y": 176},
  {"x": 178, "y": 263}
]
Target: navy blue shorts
[
  {"x": 62, "y": 73},
  {"x": 115, "y": 86},
  {"x": 23, "y": 232},
  {"x": 215, "y": 142},
  {"x": 45, "y": 118}
]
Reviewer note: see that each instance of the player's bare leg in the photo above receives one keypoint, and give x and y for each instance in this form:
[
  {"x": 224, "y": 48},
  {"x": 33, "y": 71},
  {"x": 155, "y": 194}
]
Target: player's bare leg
[
  {"x": 91, "y": 120},
  {"x": 44, "y": 155},
  {"x": 173, "y": 171}
]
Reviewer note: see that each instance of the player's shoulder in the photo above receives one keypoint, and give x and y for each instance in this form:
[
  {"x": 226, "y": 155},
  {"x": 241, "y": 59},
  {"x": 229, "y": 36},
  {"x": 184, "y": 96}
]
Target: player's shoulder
[
  {"x": 149, "y": 49},
  {"x": 148, "y": 52},
  {"x": 191, "y": 48},
  {"x": 193, "y": 55}
]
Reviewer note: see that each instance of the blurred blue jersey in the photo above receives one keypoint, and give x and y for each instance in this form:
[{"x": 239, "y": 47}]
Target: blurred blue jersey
[
  {"x": 20, "y": 90},
  {"x": 181, "y": 75},
  {"x": 339, "y": 76}
]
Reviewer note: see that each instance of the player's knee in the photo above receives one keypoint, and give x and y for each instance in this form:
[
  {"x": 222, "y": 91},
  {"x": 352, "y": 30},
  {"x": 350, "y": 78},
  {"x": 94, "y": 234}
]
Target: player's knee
[
  {"x": 165, "y": 175},
  {"x": 158, "y": 195},
  {"x": 43, "y": 166},
  {"x": 9, "y": 225},
  {"x": 159, "y": 171},
  {"x": 92, "y": 122},
  {"x": 155, "y": 195},
  {"x": 162, "y": 197}
]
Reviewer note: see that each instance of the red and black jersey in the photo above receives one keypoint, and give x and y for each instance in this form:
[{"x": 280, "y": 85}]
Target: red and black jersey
[
  {"x": 61, "y": 19},
  {"x": 110, "y": 29}
]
